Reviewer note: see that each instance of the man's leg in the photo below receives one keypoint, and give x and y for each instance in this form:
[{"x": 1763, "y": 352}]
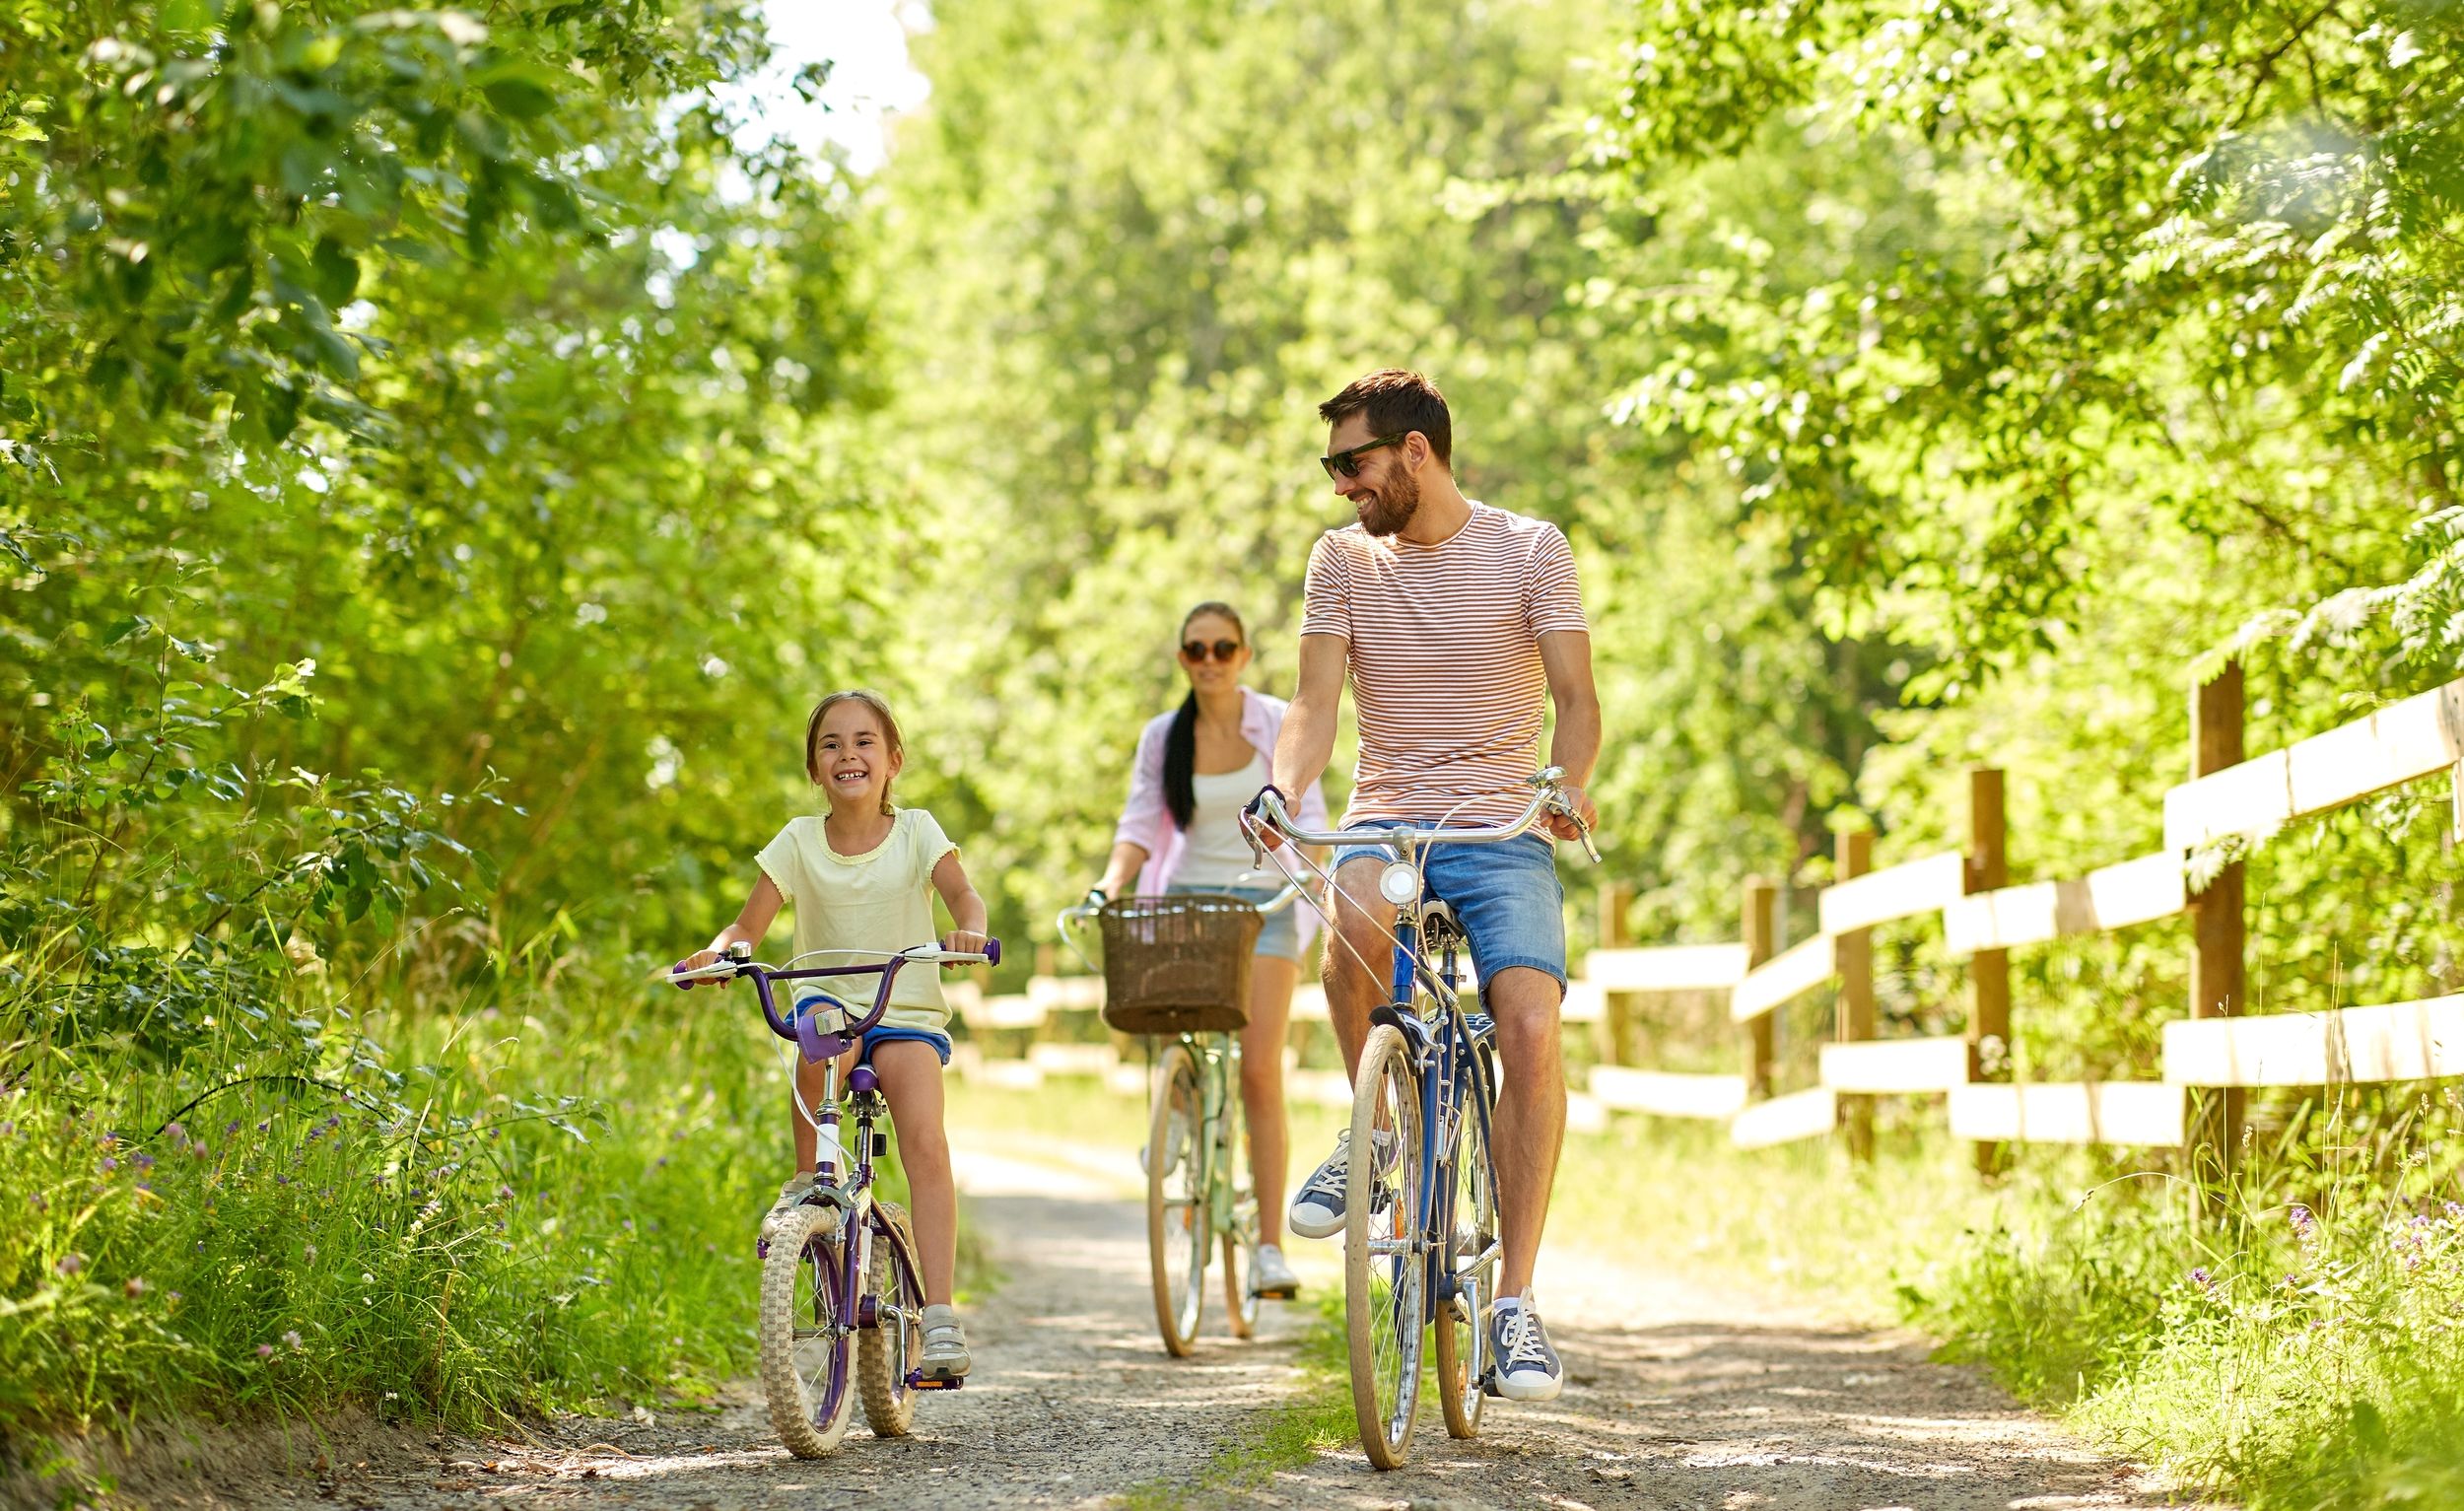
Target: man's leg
[
  {"x": 1359, "y": 954},
  {"x": 1531, "y": 1127}
]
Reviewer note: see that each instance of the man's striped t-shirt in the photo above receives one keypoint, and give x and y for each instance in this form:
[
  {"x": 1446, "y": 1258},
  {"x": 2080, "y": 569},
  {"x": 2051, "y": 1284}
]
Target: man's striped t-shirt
[{"x": 1446, "y": 671}]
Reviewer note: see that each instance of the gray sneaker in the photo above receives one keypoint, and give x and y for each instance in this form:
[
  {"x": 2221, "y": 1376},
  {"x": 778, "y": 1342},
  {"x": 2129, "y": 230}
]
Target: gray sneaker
[
  {"x": 945, "y": 1355},
  {"x": 1317, "y": 1210},
  {"x": 797, "y": 1184},
  {"x": 1528, "y": 1369}
]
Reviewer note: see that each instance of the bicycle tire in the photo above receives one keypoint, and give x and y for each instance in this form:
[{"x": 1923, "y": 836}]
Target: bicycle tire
[
  {"x": 1241, "y": 1301},
  {"x": 806, "y": 1379},
  {"x": 1385, "y": 1260},
  {"x": 889, "y": 1350},
  {"x": 1179, "y": 1228},
  {"x": 1461, "y": 1342}
]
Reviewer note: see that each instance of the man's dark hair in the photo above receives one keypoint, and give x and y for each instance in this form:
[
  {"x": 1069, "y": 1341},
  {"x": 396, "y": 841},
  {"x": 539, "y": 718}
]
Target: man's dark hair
[{"x": 1397, "y": 400}]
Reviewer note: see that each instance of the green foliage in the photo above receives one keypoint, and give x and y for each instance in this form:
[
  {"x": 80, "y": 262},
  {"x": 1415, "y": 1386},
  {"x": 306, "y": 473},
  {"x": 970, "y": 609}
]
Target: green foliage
[{"x": 2302, "y": 1354}]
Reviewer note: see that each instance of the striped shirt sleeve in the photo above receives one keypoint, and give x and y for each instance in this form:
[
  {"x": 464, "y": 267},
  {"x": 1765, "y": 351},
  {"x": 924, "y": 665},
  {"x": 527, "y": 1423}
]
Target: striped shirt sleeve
[
  {"x": 1326, "y": 596},
  {"x": 1552, "y": 599}
]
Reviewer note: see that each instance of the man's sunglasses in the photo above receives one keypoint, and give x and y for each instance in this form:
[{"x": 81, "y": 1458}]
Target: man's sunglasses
[
  {"x": 1195, "y": 651},
  {"x": 1348, "y": 464}
]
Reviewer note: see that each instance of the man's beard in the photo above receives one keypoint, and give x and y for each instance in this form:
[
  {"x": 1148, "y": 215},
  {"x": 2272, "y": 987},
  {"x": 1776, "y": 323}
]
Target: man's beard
[{"x": 1395, "y": 502}]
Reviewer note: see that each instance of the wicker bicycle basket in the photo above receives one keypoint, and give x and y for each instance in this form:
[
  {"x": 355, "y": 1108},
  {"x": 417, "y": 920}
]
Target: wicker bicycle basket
[{"x": 1178, "y": 965}]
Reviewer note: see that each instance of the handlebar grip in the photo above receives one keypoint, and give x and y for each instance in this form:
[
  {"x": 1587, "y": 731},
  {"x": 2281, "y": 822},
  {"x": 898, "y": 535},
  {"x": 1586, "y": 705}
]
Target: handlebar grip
[{"x": 991, "y": 952}]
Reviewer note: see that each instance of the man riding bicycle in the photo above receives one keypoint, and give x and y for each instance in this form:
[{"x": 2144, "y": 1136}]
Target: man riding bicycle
[{"x": 1451, "y": 620}]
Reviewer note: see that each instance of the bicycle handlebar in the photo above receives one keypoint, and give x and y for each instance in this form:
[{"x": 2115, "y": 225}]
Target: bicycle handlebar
[
  {"x": 1550, "y": 798},
  {"x": 803, "y": 1030}
]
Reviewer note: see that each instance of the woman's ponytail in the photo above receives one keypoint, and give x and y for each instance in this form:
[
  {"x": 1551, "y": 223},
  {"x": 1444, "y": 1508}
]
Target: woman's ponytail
[{"x": 1181, "y": 762}]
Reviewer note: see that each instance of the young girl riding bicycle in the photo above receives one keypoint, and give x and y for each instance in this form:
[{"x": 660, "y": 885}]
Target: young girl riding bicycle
[{"x": 861, "y": 877}]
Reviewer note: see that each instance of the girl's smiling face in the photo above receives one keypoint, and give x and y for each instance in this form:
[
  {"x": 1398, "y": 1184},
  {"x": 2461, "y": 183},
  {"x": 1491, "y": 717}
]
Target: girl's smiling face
[{"x": 853, "y": 758}]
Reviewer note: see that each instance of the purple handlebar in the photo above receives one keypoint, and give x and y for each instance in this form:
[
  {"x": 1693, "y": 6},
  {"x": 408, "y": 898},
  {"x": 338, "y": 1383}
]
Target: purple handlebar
[{"x": 805, "y": 1032}]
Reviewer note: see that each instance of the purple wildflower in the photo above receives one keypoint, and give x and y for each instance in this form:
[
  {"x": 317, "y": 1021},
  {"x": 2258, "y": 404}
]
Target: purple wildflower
[
  {"x": 175, "y": 1131},
  {"x": 2206, "y": 1281},
  {"x": 70, "y": 1264},
  {"x": 143, "y": 1161},
  {"x": 231, "y": 1128},
  {"x": 504, "y": 1193},
  {"x": 265, "y": 1350},
  {"x": 109, "y": 1164},
  {"x": 2303, "y": 1223}
]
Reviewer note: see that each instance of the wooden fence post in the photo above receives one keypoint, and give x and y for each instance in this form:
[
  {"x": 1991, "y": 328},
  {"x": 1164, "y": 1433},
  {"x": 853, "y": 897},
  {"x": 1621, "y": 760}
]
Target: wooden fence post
[
  {"x": 1989, "y": 970},
  {"x": 2217, "y": 986},
  {"x": 1754, "y": 925},
  {"x": 1852, "y": 955},
  {"x": 1612, "y": 1037}
]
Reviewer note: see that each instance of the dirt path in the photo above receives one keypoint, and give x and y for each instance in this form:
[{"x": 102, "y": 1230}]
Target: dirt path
[{"x": 1677, "y": 1398}]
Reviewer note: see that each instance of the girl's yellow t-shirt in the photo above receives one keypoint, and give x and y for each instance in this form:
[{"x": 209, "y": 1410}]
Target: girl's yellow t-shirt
[{"x": 880, "y": 900}]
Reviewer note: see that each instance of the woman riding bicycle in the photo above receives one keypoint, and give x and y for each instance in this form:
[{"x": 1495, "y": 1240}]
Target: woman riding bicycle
[{"x": 1180, "y": 831}]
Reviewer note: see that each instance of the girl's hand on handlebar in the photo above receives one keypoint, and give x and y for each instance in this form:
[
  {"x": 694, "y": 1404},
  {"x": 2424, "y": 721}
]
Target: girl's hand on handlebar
[
  {"x": 694, "y": 961},
  {"x": 963, "y": 941}
]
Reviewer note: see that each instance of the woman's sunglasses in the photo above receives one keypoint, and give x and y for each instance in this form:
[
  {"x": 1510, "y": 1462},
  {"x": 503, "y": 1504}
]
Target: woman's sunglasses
[
  {"x": 1195, "y": 651},
  {"x": 1347, "y": 463}
]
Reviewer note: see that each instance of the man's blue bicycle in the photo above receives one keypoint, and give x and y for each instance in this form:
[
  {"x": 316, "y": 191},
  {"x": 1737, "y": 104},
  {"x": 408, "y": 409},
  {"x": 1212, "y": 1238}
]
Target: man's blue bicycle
[{"x": 1420, "y": 1235}]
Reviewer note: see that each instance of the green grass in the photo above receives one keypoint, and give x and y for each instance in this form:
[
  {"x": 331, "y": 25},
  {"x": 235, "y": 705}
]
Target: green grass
[
  {"x": 1317, "y": 1417},
  {"x": 439, "y": 1215}
]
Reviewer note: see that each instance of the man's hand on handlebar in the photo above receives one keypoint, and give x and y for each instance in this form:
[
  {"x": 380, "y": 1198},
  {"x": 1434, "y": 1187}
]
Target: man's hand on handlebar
[
  {"x": 1580, "y": 801},
  {"x": 1263, "y": 835}
]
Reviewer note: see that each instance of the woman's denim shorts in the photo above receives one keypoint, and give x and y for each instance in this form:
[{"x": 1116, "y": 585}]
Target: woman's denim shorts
[{"x": 1279, "y": 939}]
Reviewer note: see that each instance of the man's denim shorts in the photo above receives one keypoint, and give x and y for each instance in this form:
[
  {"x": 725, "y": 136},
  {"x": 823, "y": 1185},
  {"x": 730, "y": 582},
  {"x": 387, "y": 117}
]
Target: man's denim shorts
[
  {"x": 1507, "y": 896},
  {"x": 1279, "y": 938}
]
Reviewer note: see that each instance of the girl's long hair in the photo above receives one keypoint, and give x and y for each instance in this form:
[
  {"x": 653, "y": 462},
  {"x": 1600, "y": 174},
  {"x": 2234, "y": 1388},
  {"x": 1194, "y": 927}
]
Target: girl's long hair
[
  {"x": 1181, "y": 740},
  {"x": 889, "y": 733}
]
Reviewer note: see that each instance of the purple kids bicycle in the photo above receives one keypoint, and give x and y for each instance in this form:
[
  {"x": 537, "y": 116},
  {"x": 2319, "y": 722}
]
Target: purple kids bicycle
[{"x": 843, "y": 1300}]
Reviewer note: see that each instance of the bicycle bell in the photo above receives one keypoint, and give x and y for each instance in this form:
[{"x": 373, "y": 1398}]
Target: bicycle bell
[{"x": 1399, "y": 883}]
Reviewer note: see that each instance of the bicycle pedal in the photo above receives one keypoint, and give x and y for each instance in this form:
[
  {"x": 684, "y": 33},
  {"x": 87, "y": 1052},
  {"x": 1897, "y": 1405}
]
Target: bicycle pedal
[
  {"x": 924, "y": 1382},
  {"x": 1279, "y": 1293},
  {"x": 1488, "y": 1384}
]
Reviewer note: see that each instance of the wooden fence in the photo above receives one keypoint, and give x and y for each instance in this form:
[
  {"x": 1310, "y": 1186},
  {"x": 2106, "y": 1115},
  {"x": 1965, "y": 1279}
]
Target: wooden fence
[{"x": 2210, "y": 1054}]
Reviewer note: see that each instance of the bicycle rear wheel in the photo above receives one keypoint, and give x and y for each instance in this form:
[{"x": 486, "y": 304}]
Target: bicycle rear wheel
[
  {"x": 1385, "y": 1255},
  {"x": 804, "y": 1326},
  {"x": 892, "y": 1344},
  {"x": 1239, "y": 1240},
  {"x": 1471, "y": 1256},
  {"x": 1178, "y": 1225}
]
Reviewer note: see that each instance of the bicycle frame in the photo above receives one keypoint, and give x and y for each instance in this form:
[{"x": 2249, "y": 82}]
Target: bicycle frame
[{"x": 842, "y": 1179}]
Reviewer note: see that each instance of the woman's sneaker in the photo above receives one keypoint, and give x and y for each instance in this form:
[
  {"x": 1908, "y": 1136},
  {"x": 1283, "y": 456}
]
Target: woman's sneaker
[
  {"x": 1270, "y": 1275},
  {"x": 1528, "y": 1369},
  {"x": 945, "y": 1355},
  {"x": 1317, "y": 1210}
]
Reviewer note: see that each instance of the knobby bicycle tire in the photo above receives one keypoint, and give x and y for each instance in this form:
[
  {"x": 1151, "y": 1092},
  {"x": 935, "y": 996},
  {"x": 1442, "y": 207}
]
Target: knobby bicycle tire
[
  {"x": 807, "y": 1380},
  {"x": 889, "y": 1350}
]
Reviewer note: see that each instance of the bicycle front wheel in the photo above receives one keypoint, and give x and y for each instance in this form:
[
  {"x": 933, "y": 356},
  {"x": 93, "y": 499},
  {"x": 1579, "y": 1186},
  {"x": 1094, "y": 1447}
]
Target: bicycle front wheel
[
  {"x": 1471, "y": 1256},
  {"x": 1384, "y": 1254},
  {"x": 805, "y": 1319},
  {"x": 1178, "y": 1224}
]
